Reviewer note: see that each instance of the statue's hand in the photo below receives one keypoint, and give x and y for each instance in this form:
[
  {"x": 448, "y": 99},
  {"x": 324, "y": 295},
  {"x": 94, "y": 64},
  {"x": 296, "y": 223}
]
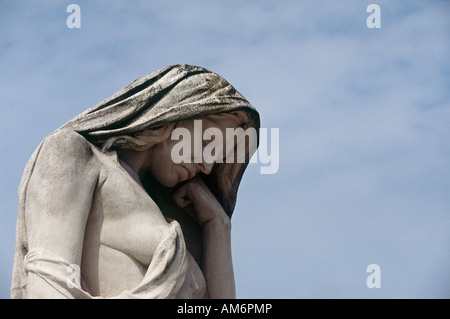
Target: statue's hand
[{"x": 207, "y": 207}]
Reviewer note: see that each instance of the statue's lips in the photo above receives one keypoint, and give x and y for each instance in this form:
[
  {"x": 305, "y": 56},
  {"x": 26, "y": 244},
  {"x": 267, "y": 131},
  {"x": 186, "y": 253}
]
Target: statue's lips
[{"x": 188, "y": 173}]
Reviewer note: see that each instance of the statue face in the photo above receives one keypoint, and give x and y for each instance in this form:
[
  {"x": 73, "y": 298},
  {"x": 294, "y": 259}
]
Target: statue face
[{"x": 169, "y": 173}]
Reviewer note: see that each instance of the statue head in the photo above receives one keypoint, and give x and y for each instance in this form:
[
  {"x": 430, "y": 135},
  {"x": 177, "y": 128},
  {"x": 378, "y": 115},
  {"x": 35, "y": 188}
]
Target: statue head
[{"x": 144, "y": 116}]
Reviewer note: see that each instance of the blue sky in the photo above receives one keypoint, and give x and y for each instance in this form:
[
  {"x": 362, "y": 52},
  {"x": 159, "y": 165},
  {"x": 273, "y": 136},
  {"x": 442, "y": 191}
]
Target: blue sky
[{"x": 363, "y": 117}]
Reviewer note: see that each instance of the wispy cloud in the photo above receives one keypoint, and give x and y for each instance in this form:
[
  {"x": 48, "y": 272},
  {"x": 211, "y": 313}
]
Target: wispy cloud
[{"x": 363, "y": 117}]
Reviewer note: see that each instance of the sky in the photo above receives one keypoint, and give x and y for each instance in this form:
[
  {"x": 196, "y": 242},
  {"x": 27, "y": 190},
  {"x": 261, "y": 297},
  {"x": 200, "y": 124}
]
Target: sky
[{"x": 362, "y": 113}]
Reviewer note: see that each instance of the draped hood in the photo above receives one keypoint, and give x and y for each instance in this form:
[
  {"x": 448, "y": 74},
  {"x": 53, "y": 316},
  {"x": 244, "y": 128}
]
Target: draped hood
[{"x": 172, "y": 94}]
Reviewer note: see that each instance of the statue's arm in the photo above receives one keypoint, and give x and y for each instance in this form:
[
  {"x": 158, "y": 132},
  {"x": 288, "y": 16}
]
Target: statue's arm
[
  {"x": 217, "y": 263},
  {"x": 215, "y": 225},
  {"x": 58, "y": 201}
]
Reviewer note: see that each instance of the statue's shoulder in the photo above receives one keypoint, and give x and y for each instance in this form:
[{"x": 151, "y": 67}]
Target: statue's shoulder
[
  {"x": 67, "y": 145},
  {"x": 63, "y": 160}
]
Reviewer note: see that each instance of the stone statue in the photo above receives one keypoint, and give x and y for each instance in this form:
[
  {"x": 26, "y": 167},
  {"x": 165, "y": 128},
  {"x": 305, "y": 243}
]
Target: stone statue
[{"x": 105, "y": 212}]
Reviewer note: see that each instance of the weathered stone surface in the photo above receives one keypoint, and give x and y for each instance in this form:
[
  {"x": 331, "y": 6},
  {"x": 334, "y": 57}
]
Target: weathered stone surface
[{"x": 105, "y": 212}]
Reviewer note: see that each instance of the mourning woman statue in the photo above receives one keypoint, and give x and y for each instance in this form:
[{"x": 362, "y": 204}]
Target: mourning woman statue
[{"x": 105, "y": 211}]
